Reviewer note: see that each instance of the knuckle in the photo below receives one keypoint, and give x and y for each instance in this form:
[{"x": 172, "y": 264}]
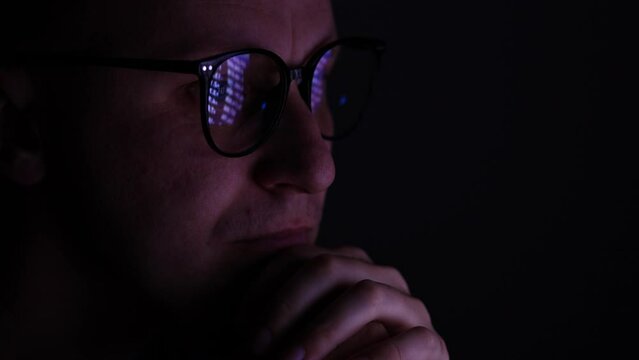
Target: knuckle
[
  {"x": 433, "y": 343},
  {"x": 375, "y": 329},
  {"x": 418, "y": 305},
  {"x": 392, "y": 270},
  {"x": 423, "y": 332},
  {"x": 443, "y": 349},
  {"x": 397, "y": 278},
  {"x": 353, "y": 251},
  {"x": 370, "y": 292},
  {"x": 326, "y": 265}
]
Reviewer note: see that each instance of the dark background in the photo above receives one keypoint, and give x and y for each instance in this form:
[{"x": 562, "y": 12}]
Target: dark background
[{"x": 495, "y": 170}]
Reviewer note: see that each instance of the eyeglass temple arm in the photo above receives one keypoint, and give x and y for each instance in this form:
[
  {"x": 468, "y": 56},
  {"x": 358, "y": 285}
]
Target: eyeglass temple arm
[{"x": 176, "y": 66}]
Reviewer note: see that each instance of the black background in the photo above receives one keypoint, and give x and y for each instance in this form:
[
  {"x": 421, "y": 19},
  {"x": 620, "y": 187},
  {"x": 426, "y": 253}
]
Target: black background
[{"x": 495, "y": 170}]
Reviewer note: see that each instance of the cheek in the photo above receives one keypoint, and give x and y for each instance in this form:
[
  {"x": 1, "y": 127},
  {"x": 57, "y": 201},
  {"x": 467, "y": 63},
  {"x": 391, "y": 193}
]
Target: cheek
[
  {"x": 160, "y": 191},
  {"x": 166, "y": 210}
]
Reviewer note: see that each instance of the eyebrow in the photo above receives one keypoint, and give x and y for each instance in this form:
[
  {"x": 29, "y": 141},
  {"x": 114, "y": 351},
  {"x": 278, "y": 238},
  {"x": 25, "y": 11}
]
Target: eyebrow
[
  {"x": 197, "y": 48},
  {"x": 200, "y": 47}
]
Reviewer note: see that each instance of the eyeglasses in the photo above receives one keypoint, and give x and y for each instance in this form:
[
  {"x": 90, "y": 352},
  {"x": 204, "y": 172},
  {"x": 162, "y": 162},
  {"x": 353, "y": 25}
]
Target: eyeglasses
[{"x": 243, "y": 93}]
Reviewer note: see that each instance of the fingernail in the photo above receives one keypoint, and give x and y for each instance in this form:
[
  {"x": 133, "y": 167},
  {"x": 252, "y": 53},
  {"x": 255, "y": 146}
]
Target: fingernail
[
  {"x": 296, "y": 354},
  {"x": 262, "y": 341}
]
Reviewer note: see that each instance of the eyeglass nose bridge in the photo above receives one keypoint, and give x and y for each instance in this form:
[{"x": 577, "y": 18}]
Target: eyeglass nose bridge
[{"x": 297, "y": 75}]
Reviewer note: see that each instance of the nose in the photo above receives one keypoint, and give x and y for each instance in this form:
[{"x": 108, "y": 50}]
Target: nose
[{"x": 296, "y": 158}]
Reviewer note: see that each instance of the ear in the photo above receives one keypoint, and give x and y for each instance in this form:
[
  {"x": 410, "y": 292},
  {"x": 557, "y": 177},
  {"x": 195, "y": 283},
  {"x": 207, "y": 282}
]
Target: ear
[{"x": 21, "y": 158}]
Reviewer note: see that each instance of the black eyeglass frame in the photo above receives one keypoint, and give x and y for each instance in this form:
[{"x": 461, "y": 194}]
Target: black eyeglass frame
[{"x": 303, "y": 74}]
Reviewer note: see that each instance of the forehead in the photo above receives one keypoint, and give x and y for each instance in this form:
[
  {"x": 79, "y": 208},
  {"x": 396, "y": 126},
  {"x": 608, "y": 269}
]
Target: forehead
[{"x": 191, "y": 29}]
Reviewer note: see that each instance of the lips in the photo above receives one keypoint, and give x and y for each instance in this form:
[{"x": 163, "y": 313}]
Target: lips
[{"x": 277, "y": 240}]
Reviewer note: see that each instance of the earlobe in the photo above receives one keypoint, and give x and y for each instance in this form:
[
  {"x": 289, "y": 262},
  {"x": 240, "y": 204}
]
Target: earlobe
[{"x": 20, "y": 151}]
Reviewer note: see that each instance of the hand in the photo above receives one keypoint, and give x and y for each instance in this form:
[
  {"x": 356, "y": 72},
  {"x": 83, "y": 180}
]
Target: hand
[{"x": 313, "y": 303}]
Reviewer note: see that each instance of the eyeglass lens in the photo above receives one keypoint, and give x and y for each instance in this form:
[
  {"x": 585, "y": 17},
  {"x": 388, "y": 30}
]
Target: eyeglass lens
[
  {"x": 245, "y": 95},
  {"x": 243, "y": 91},
  {"x": 341, "y": 84}
]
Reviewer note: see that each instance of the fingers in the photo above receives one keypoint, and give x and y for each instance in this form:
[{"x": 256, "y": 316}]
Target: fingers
[
  {"x": 418, "y": 343},
  {"x": 288, "y": 260},
  {"x": 320, "y": 280},
  {"x": 329, "y": 304},
  {"x": 282, "y": 266},
  {"x": 363, "y": 303}
]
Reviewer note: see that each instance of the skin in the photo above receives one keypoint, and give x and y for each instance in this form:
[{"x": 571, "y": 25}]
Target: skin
[{"x": 138, "y": 222}]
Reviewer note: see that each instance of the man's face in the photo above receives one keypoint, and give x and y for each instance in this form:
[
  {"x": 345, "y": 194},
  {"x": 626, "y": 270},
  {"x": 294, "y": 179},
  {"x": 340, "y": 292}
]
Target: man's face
[{"x": 156, "y": 197}]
